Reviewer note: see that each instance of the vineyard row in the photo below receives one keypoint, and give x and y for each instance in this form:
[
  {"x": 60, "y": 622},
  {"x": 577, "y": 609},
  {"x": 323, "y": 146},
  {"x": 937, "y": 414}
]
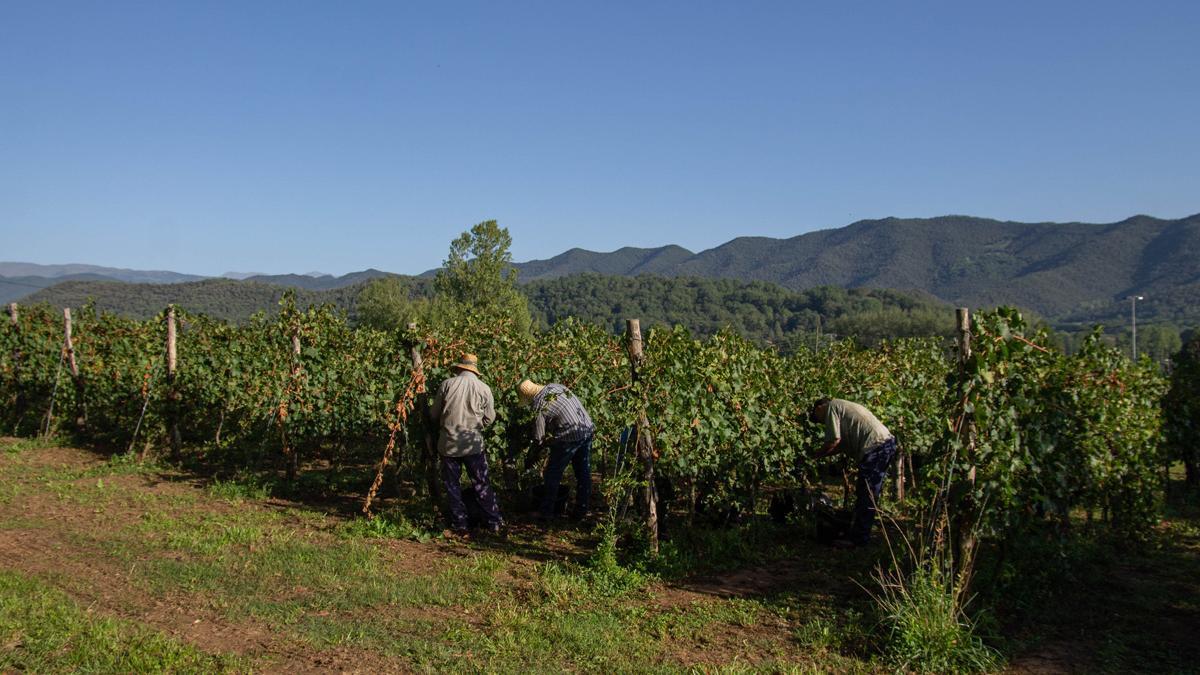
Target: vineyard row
[{"x": 1041, "y": 433}]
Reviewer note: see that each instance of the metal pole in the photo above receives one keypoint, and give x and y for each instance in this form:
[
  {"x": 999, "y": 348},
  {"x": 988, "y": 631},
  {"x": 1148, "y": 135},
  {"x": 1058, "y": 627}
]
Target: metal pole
[{"x": 1133, "y": 320}]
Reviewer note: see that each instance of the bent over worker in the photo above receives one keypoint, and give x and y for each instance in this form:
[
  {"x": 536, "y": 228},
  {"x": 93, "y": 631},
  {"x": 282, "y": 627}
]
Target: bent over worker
[
  {"x": 854, "y": 430},
  {"x": 462, "y": 408},
  {"x": 561, "y": 422}
]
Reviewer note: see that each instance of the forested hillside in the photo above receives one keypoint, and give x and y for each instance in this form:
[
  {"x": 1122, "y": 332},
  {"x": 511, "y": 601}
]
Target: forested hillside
[
  {"x": 1074, "y": 274},
  {"x": 219, "y": 298},
  {"x": 762, "y": 311},
  {"x": 1056, "y": 269}
]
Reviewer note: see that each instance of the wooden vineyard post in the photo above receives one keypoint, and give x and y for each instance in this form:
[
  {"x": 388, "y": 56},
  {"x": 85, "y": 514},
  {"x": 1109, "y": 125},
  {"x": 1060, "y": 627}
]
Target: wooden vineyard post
[
  {"x": 645, "y": 448},
  {"x": 429, "y": 451},
  {"x": 900, "y": 475},
  {"x": 172, "y": 392},
  {"x": 19, "y": 402},
  {"x": 73, "y": 366},
  {"x": 964, "y": 516},
  {"x": 964, "y": 355},
  {"x": 292, "y": 454}
]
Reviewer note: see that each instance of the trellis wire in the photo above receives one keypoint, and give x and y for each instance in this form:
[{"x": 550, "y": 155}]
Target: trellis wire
[
  {"x": 62, "y": 355},
  {"x": 146, "y": 402}
]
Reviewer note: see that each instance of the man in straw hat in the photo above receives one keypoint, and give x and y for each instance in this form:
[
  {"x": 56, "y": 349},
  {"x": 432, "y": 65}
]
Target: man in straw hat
[
  {"x": 854, "y": 430},
  {"x": 561, "y": 423},
  {"x": 462, "y": 408}
]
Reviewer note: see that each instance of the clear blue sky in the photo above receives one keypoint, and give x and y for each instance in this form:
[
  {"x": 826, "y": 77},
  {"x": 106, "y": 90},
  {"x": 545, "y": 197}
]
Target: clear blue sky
[{"x": 295, "y": 136}]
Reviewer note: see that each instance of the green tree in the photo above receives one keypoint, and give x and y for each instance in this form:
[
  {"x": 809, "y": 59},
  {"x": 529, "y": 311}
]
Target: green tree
[
  {"x": 1181, "y": 409},
  {"x": 1159, "y": 341},
  {"x": 479, "y": 281},
  {"x": 388, "y": 303}
]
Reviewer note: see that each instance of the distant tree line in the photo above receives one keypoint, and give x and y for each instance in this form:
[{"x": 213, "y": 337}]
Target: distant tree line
[{"x": 761, "y": 311}]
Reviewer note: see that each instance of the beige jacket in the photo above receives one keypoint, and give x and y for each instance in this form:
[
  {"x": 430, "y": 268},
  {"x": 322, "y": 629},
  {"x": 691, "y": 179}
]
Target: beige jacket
[{"x": 462, "y": 408}]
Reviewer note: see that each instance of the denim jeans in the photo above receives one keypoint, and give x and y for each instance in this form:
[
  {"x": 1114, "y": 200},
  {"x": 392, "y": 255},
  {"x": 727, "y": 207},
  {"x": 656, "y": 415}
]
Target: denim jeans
[
  {"x": 579, "y": 456},
  {"x": 477, "y": 471},
  {"x": 872, "y": 471}
]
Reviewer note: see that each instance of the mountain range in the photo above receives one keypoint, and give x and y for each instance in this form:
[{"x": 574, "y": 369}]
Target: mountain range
[
  {"x": 1064, "y": 270},
  {"x": 1071, "y": 272}
]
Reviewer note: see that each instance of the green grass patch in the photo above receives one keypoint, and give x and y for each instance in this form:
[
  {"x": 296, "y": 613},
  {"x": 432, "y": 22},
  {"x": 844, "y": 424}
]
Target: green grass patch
[
  {"x": 708, "y": 550},
  {"x": 240, "y": 488},
  {"x": 283, "y": 575},
  {"x": 28, "y": 444},
  {"x": 202, "y": 533},
  {"x": 551, "y": 639},
  {"x": 390, "y": 524},
  {"x": 836, "y": 631},
  {"x": 42, "y": 630},
  {"x": 1134, "y": 602}
]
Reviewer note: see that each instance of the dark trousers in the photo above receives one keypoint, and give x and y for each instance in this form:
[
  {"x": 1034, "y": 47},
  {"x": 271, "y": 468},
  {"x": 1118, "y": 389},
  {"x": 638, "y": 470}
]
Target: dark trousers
[
  {"x": 872, "y": 471},
  {"x": 477, "y": 471},
  {"x": 579, "y": 456}
]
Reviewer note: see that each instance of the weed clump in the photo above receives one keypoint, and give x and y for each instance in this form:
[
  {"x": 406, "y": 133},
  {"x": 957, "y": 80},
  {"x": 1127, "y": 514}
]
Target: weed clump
[
  {"x": 928, "y": 631},
  {"x": 600, "y": 577},
  {"x": 390, "y": 524}
]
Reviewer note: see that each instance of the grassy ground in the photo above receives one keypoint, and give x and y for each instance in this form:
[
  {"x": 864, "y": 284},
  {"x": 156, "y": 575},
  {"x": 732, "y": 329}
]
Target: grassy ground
[
  {"x": 108, "y": 565},
  {"x": 1101, "y": 605}
]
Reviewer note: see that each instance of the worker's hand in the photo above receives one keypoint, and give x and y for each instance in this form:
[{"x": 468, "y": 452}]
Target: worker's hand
[{"x": 531, "y": 457}]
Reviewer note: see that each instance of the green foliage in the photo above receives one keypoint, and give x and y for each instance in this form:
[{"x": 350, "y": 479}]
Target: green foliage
[
  {"x": 706, "y": 550},
  {"x": 728, "y": 422},
  {"x": 1051, "y": 432},
  {"x": 601, "y": 577},
  {"x": 479, "y": 281},
  {"x": 389, "y": 303},
  {"x": 225, "y": 299},
  {"x": 1159, "y": 341},
  {"x": 927, "y": 629},
  {"x": 1181, "y": 410},
  {"x": 764, "y": 312},
  {"x": 239, "y": 489},
  {"x": 386, "y": 525}
]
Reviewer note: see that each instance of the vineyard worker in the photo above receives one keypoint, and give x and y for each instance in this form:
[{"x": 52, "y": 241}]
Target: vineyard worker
[
  {"x": 462, "y": 408},
  {"x": 561, "y": 422},
  {"x": 852, "y": 429}
]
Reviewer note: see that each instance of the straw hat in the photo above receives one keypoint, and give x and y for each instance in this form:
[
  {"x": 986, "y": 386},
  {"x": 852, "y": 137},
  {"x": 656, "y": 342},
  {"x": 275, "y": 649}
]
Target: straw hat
[
  {"x": 468, "y": 362},
  {"x": 527, "y": 390}
]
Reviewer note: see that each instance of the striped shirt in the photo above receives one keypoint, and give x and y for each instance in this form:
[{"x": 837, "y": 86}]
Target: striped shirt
[{"x": 560, "y": 417}]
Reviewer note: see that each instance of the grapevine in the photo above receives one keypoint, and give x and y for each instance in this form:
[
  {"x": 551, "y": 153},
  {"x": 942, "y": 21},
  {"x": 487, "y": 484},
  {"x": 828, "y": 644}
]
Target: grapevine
[{"x": 1052, "y": 432}]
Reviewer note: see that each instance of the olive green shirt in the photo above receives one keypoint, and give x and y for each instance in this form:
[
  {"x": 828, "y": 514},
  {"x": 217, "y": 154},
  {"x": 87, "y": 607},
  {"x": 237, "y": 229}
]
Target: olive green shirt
[{"x": 858, "y": 429}]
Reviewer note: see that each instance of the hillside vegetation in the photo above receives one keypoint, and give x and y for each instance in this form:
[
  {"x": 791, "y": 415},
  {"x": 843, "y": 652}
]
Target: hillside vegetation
[
  {"x": 1080, "y": 270},
  {"x": 1074, "y": 274},
  {"x": 762, "y": 311}
]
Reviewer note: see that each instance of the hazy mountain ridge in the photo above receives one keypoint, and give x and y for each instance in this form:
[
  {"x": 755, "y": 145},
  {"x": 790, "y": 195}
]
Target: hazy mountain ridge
[
  {"x": 1072, "y": 272},
  {"x": 22, "y": 269}
]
